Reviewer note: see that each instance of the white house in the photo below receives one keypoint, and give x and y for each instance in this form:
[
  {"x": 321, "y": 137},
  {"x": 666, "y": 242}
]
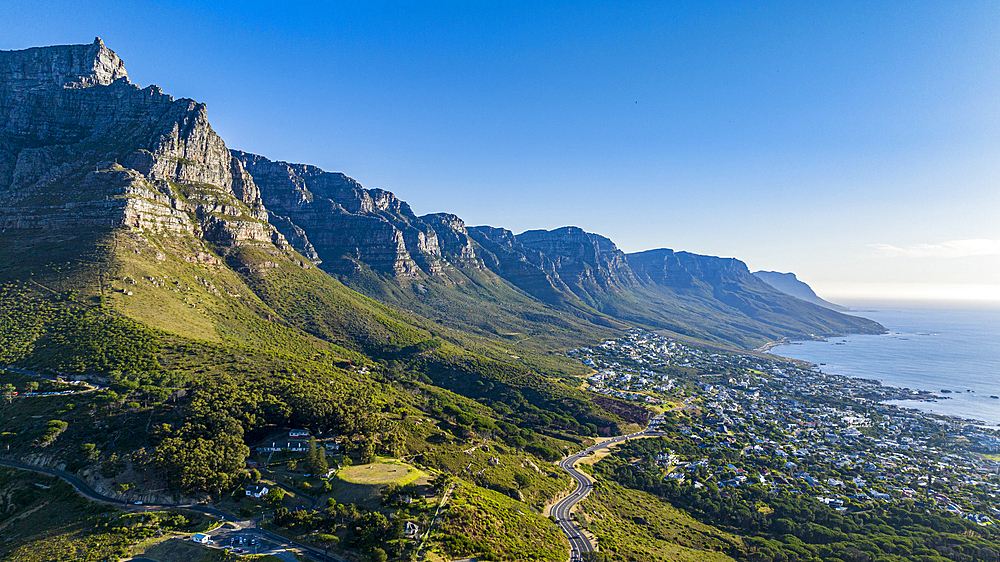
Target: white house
[
  {"x": 293, "y": 433},
  {"x": 256, "y": 491},
  {"x": 293, "y": 446},
  {"x": 201, "y": 538}
]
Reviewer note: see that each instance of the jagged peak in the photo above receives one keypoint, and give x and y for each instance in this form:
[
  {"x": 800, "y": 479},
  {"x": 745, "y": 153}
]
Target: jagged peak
[{"x": 65, "y": 66}]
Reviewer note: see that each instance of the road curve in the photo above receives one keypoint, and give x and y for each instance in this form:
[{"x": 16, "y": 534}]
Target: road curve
[
  {"x": 88, "y": 492},
  {"x": 562, "y": 509}
]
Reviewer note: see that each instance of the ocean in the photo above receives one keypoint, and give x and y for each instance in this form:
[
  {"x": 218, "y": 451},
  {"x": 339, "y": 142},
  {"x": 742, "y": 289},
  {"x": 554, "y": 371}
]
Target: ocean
[{"x": 931, "y": 347}]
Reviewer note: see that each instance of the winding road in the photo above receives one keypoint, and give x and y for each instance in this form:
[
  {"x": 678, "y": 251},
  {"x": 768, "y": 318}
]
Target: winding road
[
  {"x": 88, "y": 492},
  {"x": 562, "y": 509}
]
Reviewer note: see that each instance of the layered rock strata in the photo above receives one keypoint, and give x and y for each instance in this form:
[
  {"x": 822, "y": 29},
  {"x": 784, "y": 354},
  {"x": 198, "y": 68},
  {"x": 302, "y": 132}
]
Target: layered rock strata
[
  {"x": 82, "y": 146},
  {"x": 348, "y": 226}
]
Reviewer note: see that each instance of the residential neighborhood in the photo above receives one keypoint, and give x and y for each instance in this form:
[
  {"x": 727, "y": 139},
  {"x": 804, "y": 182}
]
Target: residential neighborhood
[{"x": 800, "y": 430}]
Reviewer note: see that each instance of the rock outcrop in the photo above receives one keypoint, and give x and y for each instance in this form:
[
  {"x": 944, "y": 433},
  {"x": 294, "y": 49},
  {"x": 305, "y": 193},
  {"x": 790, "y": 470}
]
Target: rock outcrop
[
  {"x": 528, "y": 269},
  {"x": 350, "y": 227},
  {"x": 82, "y": 146},
  {"x": 590, "y": 264}
]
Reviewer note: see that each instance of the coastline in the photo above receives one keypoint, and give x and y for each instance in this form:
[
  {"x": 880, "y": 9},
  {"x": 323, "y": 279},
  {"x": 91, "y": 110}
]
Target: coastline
[{"x": 948, "y": 353}]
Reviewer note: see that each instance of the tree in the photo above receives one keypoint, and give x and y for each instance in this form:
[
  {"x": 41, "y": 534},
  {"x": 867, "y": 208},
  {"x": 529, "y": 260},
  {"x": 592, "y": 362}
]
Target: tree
[
  {"x": 394, "y": 443},
  {"x": 440, "y": 482},
  {"x": 522, "y": 479},
  {"x": 207, "y": 453},
  {"x": 9, "y": 392},
  {"x": 254, "y": 475},
  {"x": 367, "y": 453},
  {"x": 31, "y": 387},
  {"x": 311, "y": 454},
  {"x": 316, "y": 459},
  {"x": 275, "y": 496},
  {"x": 322, "y": 467}
]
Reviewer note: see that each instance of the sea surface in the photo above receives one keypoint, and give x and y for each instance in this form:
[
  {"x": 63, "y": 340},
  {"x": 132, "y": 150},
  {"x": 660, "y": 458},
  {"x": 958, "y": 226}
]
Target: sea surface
[{"x": 931, "y": 347}]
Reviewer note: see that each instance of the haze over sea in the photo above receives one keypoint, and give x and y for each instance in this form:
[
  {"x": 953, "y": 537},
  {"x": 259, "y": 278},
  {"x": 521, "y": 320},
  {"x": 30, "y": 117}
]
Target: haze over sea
[{"x": 934, "y": 347}]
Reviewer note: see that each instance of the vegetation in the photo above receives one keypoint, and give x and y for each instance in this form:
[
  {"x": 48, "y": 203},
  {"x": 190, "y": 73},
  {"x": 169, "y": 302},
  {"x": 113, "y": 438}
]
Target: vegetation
[
  {"x": 635, "y": 525},
  {"x": 490, "y": 526},
  {"x": 196, "y": 353},
  {"x": 798, "y": 527},
  {"x": 42, "y": 518}
]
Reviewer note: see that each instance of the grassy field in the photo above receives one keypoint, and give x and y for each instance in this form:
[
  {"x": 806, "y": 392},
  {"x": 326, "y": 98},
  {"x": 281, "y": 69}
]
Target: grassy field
[
  {"x": 362, "y": 484},
  {"x": 183, "y": 550},
  {"x": 385, "y": 471}
]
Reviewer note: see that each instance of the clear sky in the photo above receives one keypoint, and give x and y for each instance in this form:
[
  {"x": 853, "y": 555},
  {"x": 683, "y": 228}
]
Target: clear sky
[{"x": 853, "y": 143}]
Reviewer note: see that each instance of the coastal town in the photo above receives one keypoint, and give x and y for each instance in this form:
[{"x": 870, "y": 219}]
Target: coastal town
[{"x": 799, "y": 430}]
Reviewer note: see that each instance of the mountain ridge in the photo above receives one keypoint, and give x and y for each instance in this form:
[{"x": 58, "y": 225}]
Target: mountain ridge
[
  {"x": 790, "y": 284},
  {"x": 97, "y": 151},
  {"x": 567, "y": 268}
]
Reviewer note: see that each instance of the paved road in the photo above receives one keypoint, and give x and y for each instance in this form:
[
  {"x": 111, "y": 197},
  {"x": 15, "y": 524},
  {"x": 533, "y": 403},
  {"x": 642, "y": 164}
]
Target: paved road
[{"x": 561, "y": 510}]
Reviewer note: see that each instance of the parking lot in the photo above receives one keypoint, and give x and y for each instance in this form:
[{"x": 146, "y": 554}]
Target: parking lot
[{"x": 245, "y": 542}]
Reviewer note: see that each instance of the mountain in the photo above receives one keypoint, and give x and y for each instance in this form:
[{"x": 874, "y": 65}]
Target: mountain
[
  {"x": 134, "y": 191},
  {"x": 374, "y": 243},
  {"x": 121, "y": 205},
  {"x": 720, "y": 295},
  {"x": 789, "y": 284}
]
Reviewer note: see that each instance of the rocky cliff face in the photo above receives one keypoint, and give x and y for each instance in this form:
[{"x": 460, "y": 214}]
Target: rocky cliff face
[
  {"x": 528, "y": 269},
  {"x": 684, "y": 270},
  {"x": 82, "y": 146},
  {"x": 588, "y": 263},
  {"x": 350, "y": 226},
  {"x": 453, "y": 238},
  {"x": 61, "y": 66}
]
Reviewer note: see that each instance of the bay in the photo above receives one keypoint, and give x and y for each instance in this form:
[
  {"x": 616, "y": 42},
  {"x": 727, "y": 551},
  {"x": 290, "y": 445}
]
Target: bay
[{"x": 930, "y": 346}]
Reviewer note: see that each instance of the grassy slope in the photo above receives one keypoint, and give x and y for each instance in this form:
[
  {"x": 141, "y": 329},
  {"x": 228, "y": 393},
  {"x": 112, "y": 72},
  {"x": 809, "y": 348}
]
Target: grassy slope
[
  {"x": 479, "y": 302},
  {"x": 636, "y": 526},
  {"x": 492, "y": 526}
]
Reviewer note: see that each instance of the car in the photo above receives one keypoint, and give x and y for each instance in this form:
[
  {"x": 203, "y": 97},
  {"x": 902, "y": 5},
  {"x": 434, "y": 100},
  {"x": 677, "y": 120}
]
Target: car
[{"x": 136, "y": 503}]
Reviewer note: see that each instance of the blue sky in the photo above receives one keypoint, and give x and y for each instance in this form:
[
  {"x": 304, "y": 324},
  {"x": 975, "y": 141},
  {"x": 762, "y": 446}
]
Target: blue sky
[{"x": 854, "y": 143}]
